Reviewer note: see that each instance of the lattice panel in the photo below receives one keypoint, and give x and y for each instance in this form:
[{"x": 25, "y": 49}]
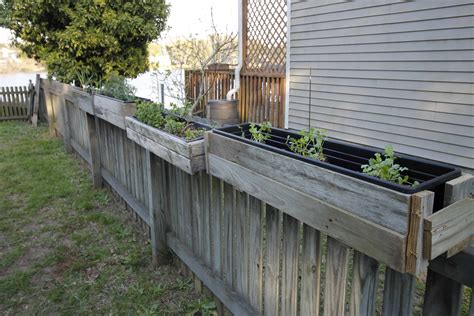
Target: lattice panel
[{"x": 265, "y": 42}]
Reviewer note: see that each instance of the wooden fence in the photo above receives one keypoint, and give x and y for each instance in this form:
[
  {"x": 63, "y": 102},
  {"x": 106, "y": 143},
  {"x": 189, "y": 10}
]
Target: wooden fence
[
  {"x": 261, "y": 97},
  {"x": 252, "y": 257},
  {"x": 15, "y": 102}
]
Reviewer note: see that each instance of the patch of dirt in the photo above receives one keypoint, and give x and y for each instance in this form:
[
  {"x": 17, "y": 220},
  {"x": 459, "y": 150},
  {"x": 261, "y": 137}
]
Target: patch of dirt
[{"x": 27, "y": 261}]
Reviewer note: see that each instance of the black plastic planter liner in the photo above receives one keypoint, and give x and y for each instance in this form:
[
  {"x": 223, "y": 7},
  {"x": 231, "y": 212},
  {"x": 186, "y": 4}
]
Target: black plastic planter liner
[{"x": 347, "y": 158}]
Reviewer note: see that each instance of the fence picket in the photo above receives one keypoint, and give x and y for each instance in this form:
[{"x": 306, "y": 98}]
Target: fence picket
[
  {"x": 336, "y": 273},
  {"x": 310, "y": 271},
  {"x": 272, "y": 262}
]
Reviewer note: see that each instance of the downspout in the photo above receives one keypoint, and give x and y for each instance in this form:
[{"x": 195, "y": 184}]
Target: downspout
[{"x": 232, "y": 92}]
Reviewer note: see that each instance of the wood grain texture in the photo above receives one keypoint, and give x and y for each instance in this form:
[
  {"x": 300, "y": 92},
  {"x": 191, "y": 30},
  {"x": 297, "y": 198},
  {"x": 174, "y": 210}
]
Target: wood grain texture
[
  {"x": 174, "y": 143},
  {"x": 215, "y": 217},
  {"x": 94, "y": 150},
  {"x": 225, "y": 294},
  {"x": 272, "y": 262},
  {"x": 364, "y": 199},
  {"x": 137, "y": 206},
  {"x": 398, "y": 293},
  {"x": 383, "y": 244},
  {"x": 364, "y": 285},
  {"x": 451, "y": 226},
  {"x": 421, "y": 207},
  {"x": 228, "y": 234},
  {"x": 157, "y": 217},
  {"x": 190, "y": 165},
  {"x": 254, "y": 245},
  {"x": 310, "y": 271},
  {"x": 336, "y": 273},
  {"x": 290, "y": 252}
]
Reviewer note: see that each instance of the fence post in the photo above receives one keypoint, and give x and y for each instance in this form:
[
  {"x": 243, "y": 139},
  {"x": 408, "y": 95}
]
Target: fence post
[
  {"x": 157, "y": 216},
  {"x": 66, "y": 126},
  {"x": 94, "y": 150},
  {"x": 34, "y": 118},
  {"x": 443, "y": 295}
]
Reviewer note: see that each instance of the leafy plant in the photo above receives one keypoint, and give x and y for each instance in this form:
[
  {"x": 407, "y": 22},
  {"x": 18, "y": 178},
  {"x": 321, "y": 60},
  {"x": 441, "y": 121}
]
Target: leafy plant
[
  {"x": 153, "y": 114},
  {"x": 309, "y": 144},
  {"x": 117, "y": 87},
  {"x": 260, "y": 134},
  {"x": 385, "y": 168},
  {"x": 201, "y": 307}
]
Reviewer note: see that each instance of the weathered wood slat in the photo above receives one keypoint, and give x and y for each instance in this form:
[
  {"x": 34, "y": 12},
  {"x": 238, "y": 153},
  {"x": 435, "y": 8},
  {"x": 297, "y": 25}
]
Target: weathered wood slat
[
  {"x": 398, "y": 293},
  {"x": 364, "y": 285},
  {"x": 156, "y": 213},
  {"x": 137, "y": 206},
  {"x": 373, "y": 202},
  {"x": 215, "y": 224},
  {"x": 382, "y": 244},
  {"x": 337, "y": 265},
  {"x": 239, "y": 258},
  {"x": 189, "y": 165},
  {"x": 310, "y": 271},
  {"x": 230, "y": 298},
  {"x": 290, "y": 253},
  {"x": 272, "y": 262},
  {"x": 228, "y": 233},
  {"x": 254, "y": 244},
  {"x": 421, "y": 207},
  {"x": 448, "y": 227}
]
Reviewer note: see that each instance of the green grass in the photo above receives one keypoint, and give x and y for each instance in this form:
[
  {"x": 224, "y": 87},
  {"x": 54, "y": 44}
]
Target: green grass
[{"x": 66, "y": 248}]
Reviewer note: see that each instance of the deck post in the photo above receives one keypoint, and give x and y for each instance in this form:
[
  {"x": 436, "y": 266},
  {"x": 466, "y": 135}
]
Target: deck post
[{"x": 157, "y": 216}]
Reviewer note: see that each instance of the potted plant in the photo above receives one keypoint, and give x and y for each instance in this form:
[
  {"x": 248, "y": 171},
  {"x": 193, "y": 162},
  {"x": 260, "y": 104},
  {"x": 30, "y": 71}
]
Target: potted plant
[
  {"x": 328, "y": 175},
  {"x": 169, "y": 135},
  {"x": 114, "y": 100}
]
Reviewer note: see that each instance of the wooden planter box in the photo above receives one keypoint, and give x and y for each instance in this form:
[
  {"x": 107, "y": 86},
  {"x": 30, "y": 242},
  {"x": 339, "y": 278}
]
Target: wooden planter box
[
  {"x": 380, "y": 222},
  {"x": 187, "y": 155},
  {"x": 113, "y": 110}
]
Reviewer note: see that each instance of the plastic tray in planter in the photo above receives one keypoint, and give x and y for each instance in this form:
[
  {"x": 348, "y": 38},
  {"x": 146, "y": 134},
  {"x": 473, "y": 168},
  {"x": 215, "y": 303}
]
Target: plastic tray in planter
[
  {"x": 113, "y": 110},
  {"x": 187, "y": 155},
  {"x": 367, "y": 213}
]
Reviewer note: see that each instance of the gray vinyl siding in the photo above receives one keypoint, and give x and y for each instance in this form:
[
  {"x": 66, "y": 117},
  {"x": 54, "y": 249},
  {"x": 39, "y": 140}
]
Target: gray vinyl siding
[{"x": 386, "y": 72}]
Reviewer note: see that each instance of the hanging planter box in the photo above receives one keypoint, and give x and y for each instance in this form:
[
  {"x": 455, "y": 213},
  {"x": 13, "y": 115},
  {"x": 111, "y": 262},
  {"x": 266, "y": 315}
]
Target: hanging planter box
[
  {"x": 189, "y": 156},
  {"x": 333, "y": 196},
  {"x": 113, "y": 110}
]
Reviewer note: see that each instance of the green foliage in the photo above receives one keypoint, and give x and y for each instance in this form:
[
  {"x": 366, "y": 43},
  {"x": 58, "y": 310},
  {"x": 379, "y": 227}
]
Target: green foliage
[
  {"x": 385, "y": 168},
  {"x": 309, "y": 144},
  {"x": 97, "y": 36},
  {"x": 117, "y": 87},
  {"x": 202, "y": 307},
  {"x": 260, "y": 134},
  {"x": 153, "y": 114}
]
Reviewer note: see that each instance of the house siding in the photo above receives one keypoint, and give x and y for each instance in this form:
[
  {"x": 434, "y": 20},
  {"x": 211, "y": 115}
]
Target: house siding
[{"x": 386, "y": 72}]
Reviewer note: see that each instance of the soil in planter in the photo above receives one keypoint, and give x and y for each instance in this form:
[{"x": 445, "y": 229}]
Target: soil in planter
[{"x": 347, "y": 158}]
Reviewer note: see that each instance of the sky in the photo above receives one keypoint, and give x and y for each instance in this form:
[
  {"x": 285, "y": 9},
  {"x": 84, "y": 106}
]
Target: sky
[{"x": 190, "y": 17}]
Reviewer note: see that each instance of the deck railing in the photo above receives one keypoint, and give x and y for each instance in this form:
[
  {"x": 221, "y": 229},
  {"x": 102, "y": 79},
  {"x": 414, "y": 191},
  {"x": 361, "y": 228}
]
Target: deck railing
[
  {"x": 261, "y": 97},
  {"x": 254, "y": 258}
]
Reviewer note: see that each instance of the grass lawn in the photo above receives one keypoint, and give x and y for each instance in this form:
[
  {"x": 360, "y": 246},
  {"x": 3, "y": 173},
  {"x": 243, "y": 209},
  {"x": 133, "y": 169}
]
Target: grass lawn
[{"x": 66, "y": 248}]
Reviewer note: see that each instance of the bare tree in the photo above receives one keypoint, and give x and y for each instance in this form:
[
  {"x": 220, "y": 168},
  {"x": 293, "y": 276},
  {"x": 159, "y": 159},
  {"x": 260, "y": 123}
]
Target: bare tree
[{"x": 197, "y": 54}]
